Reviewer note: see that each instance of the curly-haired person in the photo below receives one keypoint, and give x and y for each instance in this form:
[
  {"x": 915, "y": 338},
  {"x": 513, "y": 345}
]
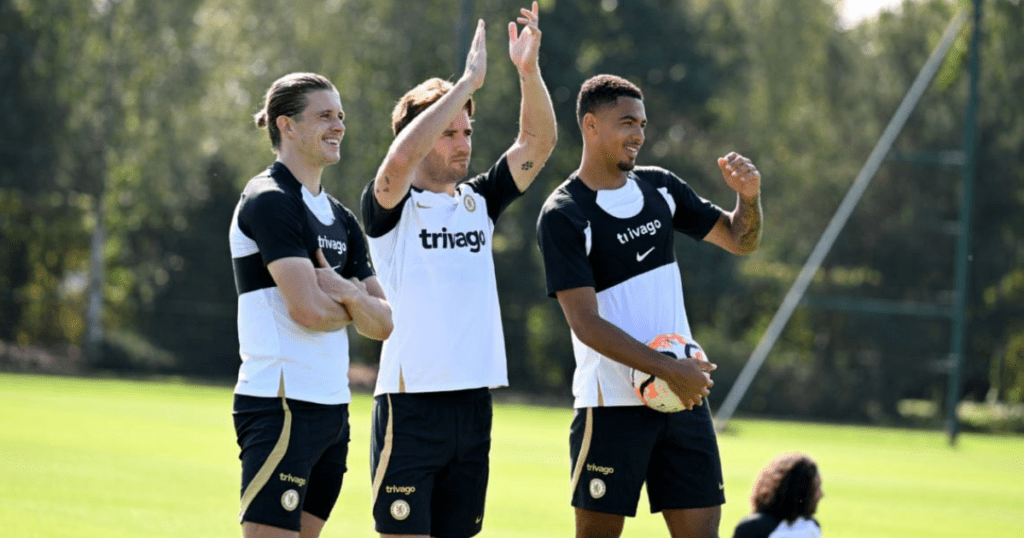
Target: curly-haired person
[{"x": 784, "y": 499}]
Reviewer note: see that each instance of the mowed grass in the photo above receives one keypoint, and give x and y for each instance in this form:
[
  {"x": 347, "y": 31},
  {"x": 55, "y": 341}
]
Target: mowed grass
[{"x": 114, "y": 458}]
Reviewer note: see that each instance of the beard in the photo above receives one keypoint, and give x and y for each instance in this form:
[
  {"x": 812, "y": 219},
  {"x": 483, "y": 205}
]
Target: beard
[
  {"x": 626, "y": 166},
  {"x": 444, "y": 173},
  {"x": 452, "y": 173}
]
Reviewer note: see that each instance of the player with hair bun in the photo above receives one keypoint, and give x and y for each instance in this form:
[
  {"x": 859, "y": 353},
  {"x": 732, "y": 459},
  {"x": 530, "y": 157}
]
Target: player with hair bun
[{"x": 302, "y": 275}]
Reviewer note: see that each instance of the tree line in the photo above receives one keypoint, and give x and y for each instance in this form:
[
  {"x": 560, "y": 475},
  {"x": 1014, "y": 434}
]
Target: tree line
[{"x": 127, "y": 135}]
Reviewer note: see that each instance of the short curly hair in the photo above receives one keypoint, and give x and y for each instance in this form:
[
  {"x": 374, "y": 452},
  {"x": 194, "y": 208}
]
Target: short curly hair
[
  {"x": 786, "y": 487},
  {"x": 601, "y": 90}
]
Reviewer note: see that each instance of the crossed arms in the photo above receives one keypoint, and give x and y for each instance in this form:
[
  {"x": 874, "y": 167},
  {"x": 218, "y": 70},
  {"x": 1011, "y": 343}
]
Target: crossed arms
[{"x": 321, "y": 300}]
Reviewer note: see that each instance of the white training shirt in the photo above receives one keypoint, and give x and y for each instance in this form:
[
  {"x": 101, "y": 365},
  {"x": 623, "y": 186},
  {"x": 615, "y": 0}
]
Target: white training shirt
[
  {"x": 277, "y": 217},
  {"x": 433, "y": 256},
  {"x": 621, "y": 243},
  {"x": 801, "y": 528}
]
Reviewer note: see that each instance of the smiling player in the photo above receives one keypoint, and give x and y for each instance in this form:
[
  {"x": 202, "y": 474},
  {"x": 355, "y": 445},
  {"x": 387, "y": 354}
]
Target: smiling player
[
  {"x": 606, "y": 235},
  {"x": 302, "y": 275},
  {"x": 430, "y": 238}
]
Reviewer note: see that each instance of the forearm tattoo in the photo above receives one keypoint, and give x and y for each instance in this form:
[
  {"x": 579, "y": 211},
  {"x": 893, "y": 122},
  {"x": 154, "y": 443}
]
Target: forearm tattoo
[
  {"x": 385, "y": 187},
  {"x": 527, "y": 165},
  {"x": 747, "y": 224}
]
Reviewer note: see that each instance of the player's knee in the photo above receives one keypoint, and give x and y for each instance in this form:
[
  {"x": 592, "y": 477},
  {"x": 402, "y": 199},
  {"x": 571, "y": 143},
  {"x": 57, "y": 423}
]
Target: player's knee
[
  {"x": 711, "y": 532},
  {"x": 697, "y": 523},
  {"x": 597, "y": 532},
  {"x": 695, "y": 532}
]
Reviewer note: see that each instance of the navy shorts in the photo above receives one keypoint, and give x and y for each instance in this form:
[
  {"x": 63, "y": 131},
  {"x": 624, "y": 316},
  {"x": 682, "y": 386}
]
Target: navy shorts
[
  {"x": 293, "y": 458},
  {"x": 615, "y": 450},
  {"x": 429, "y": 461}
]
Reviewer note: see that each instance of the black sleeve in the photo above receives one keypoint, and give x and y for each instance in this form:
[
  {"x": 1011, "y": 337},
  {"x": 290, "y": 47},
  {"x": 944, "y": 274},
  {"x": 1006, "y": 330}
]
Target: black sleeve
[
  {"x": 694, "y": 215},
  {"x": 379, "y": 221},
  {"x": 357, "y": 262},
  {"x": 755, "y": 526},
  {"x": 497, "y": 187},
  {"x": 562, "y": 240},
  {"x": 273, "y": 219}
]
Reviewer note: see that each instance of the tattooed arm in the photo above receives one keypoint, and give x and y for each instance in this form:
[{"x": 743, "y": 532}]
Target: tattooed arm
[
  {"x": 537, "y": 128},
  {"x": 412, "y": 144},
  {"x": 739, "y": 232}
]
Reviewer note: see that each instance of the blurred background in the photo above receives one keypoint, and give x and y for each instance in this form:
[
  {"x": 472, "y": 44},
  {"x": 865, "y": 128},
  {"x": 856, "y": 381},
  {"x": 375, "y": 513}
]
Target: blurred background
[{"x": 127, "y": 134}]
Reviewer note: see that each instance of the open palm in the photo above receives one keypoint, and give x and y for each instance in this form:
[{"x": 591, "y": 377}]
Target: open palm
[{"x": 523, "y": 46}]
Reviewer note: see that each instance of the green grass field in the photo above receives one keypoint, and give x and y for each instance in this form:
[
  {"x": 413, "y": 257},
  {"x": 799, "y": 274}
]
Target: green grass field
[{"x": 112, "y": 458}]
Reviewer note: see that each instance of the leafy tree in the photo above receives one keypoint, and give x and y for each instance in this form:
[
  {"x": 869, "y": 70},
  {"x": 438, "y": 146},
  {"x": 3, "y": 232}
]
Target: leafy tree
[{"x": 140, "y": 115}]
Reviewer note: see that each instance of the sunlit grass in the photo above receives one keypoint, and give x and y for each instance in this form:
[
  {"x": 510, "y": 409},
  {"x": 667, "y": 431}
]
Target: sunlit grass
[{"x": 111, "y": 458}]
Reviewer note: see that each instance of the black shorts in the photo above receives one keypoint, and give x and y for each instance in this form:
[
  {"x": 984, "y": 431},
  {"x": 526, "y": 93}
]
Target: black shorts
[
  {"x": 615, "y": 450},
  {"x": 293, "y": 458},
  {"x": 429, "y": 462}
]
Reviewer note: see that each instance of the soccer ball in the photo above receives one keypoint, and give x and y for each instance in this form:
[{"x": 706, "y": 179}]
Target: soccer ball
[{"x": 653, "y": 391}]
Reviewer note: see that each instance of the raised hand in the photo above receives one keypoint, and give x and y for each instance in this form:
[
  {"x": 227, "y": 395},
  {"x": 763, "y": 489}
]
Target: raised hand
[
  {"x": 476, "y": 59},
  {"x": 524, "y": 47},
  {"x": 741, "y": 175}
]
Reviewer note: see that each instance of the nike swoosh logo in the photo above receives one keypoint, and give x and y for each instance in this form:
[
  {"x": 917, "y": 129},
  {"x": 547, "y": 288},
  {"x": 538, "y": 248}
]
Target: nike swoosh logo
[
  {"x": 421, "y": 205},
  {"x": 640, "y": 257}
]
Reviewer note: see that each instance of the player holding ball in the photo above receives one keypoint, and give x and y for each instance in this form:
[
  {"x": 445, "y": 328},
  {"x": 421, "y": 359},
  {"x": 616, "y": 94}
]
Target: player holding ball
[{"x": 606, "y": 236}]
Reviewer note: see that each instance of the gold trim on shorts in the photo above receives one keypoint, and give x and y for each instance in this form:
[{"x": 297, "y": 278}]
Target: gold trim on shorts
[
  {"x": 385, "y": 453},
  {"x": 275, "y": 457},
  {"x": 588, "y": 433}
]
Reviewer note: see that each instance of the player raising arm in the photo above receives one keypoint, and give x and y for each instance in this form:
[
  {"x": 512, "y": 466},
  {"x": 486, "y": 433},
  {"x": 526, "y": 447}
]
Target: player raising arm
[
  {"x": 430, "y": 236},
  {"x": 607, "y": 236},
  {"x": 419, "y": 131}
]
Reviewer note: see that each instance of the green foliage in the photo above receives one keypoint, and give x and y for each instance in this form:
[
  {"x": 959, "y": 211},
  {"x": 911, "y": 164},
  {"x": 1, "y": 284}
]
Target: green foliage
[
  {"x": 144, "y": 111},
  {"x": 992, "y": 417},
  {"x": 809, "y": 136},
  {"x": 1012, "y": 377}
]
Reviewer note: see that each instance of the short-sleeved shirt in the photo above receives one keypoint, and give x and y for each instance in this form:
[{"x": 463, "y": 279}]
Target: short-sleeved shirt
[
  {"x": 621, "y": 243},
  {"x": 761, "y": 525},
  {"x": 433, "y": 253},
  {"x": 277, "y": 217}
]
